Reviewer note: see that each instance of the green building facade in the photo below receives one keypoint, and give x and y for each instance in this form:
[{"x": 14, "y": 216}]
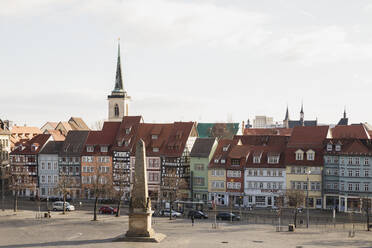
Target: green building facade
[{"x": 201, "y": 153}]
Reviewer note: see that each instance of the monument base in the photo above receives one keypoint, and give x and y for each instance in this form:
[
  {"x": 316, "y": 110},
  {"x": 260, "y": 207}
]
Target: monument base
[{"x": 156, "y": 238}]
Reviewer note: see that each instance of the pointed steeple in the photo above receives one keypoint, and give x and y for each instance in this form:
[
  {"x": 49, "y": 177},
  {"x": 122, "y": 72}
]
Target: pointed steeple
[
  {"x": 302, "y": 108},
  {"x": 286, "y": 115},
  {"x": 302, "y": 122},
  {"x": 118, "y": 80},
  {"x": 344, "y": 112}
]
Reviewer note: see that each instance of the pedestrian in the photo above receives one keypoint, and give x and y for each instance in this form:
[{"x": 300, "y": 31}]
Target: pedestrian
[{"x": 192, "y": 220}]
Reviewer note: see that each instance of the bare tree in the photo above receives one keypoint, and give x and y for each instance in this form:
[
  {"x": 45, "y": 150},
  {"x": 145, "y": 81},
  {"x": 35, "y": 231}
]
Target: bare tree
[
  {"x": 366, "y": 203},
  {"x": 171, "y": 186},
  {"x": 63, "y": 188},
  {"x": 122, "y": 183},
  {"x": 101, "y": 187},
  {"x": 19, "y": 180},
  {"x": 295, "y": 199}
]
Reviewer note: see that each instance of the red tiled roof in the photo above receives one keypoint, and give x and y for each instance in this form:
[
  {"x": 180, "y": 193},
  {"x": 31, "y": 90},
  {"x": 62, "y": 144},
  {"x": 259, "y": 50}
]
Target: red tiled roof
[
  {"x": 177, "y": 139},
  {"x": 268, "y": 131},
  {"x": 56, "y": 134},
  {"x": 306, "y": 137},
  {"x": 133, "y": 123},
  {"x": 349, "y": 146},
  {"x": 220, "y": 153},
  {"x": 39, "y": 140},
  {"x": 104, "y": 137},
  {"x": 357, "y": 131}
]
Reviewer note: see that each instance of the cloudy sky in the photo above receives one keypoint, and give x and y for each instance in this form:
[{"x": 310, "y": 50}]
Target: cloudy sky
[{"x": 199, "y": 60}]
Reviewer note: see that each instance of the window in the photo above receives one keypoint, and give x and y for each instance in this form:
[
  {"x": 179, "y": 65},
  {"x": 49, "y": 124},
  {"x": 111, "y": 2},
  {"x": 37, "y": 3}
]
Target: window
[
  {"x": 104, "y": 148},
  {"x": 90, "y": 149},
  {"x": 235, "y": 161},
  {"x": 249, "y": 172},
  {"x": 268, "y": 185},
  {"x": 199, "y": 181},
  {"x": 225, "y": 148},
  {"x": 280, "y": 173},
  {"x": 318, "y": 186},
  {"x": 155, "y": 149},
  {"x": 366, "y": 187},
  {"x": 261, "y": 185},
  {"x": 338, "y": 147},
  {"x": 268, "y": 173},
  {"x": 304, "y": 185},
  {"x": 366, "y": 173},
  {"x": 350, "y": 161},
  {"x": 218, "y": 184},
  {"x": 350, "y": 187},
  {"x": 313, "y": 186},
  {"x": 342, "y": 172},
  {"x": 357, "y": 173},
  {"x": 223, "y": 161},
  {"x": 49, "y": 179},
  {"x": 350, "y": 173},
  {"x": 216, "y": 160},
  {"x": 329, "y": 160},
  {"x": 366, "y": 161},
  {"x": 342, "y": 160},
  {"x": 116, "y": 110},
  {"x": 256, "y": 159},
  {"x": 49, "y": 166},
  {"x": 299, "y": 155},
  {"x": 293, "y": 170},
  {"x": 335, "y": 186},
  {"x": 335, "y": 172},
  {"x": 293, "y": 185},
  {"x": 298, "y": 185},
  {"x": 55, "y": 179},
  {"x": 273, "y": 160},
  {"x": 357, "y": 187},
  {"x": 154, "y": 136},
  {"x": 255, "y": 172},
  {"x": 329, "y": 147},
  {"x": 335, "y": 160},
  {"x": 310, "y": 155},
  {"x": 357, "y": 161},
  {"x": 342, "y": 187},
  {"x": 55, "y": 166},
  {"x": 199, "y": 167}
]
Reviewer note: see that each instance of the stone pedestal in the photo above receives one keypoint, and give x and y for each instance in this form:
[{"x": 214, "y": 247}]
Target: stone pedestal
[{"x": 140, "y": 225}]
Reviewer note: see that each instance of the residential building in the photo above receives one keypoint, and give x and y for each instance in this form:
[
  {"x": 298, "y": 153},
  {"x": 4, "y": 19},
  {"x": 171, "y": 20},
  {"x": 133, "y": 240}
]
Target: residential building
[
  {"x": 49, "y": 125},
  {"x": 96, "y": 161},
  {"x": 48, "y": 171},
  {"x": 347, "y": 171},
  {"x": 23, "y": 163},
  {"x": 70, "y": 160},
  {"x": 118, "y": 101},
  {"x": 217, "y": 130},
  {"x": 304, "y": 162},
  {"x": 175, "y": 160},
  {"x": 4, "y": 155},
  {"x": 217, "y": 173},
  {"x": 264, "y": 174},
  {"x": 288, "y": 123},
  {"x": 74, "y": 123},
  {"x": 200, "y": 156}
]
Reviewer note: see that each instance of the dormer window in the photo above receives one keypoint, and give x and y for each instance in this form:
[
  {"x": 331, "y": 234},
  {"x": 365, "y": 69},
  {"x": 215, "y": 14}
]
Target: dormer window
[
  {"x": 155, "y": 149},
  {"x": 235, "y": 161},
  {"x": 226, "y": 148},
  {"x": 256, "y": 159},
  {"x": 329, "y": 147},
  {"x": 338, "y": 147},
  {"x": 104, "y": 148},
  {"x": 273, "y": 159},
  {"x": 90, "y": 148},
  {"x": 299, "y": 155},
  {"x": 223, "y": 161},
  {"x": 127, "y": 130},
  {"x": 310, "y": 155},
  {"x": 154, "y": 136},
  {"x": 216, "y": 160},
  {"x": 127, "y": 142},
  {"x": 34, "y": 147}
]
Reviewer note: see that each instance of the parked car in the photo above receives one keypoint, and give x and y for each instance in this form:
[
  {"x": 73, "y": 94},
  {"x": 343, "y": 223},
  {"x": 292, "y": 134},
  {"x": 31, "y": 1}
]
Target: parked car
[
  {"x": 197, "y": 214},
  {"x": 58, "y": 206},
  {"x": 174, "y": 213},
  {"x": 227, "y": 216},
  {"x": 108, "y": 210}
]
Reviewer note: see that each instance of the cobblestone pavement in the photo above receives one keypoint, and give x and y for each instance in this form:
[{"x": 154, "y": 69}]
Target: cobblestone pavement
[{"x": 76, "y": 229}]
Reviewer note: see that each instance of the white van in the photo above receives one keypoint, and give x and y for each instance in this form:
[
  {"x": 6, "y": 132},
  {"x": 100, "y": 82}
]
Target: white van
[{"x": 59, "y": 206}]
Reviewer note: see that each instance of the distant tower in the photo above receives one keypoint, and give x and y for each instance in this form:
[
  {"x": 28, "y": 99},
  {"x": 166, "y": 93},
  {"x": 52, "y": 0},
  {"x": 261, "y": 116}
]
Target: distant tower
[
  {"x": 118, "y": 100},
  {"x": 302, "y": 115},
  {"x": 286, "y": 119}
]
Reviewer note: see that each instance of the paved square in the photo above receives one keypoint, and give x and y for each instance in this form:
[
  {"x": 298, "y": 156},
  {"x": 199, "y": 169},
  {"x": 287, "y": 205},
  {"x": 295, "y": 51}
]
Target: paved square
[{"x": 77, "y": 230}]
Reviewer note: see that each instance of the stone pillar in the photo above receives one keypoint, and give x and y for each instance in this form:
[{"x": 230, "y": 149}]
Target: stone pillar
[{"x": 140, "y": 229}]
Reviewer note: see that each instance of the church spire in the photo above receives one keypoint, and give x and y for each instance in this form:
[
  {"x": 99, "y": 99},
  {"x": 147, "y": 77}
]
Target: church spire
[
  {"x": 302, "y": 108},
  {"x": 345, "y": 112},
  {"x": 118, "y": 80},
  {"x": 286, "y": 115}
]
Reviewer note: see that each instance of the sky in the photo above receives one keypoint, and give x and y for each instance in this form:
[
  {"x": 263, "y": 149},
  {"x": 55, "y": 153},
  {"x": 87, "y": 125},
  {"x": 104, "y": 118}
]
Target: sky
[{"x": 186, "y": 60}]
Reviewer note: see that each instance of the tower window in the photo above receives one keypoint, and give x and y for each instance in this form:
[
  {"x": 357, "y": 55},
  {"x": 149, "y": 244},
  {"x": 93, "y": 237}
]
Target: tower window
[{"x": 116, "y": 110}]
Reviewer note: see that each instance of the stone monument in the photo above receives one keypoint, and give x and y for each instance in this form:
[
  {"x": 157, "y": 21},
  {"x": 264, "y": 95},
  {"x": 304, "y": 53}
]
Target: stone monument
[{"x": 140, "y": 213}]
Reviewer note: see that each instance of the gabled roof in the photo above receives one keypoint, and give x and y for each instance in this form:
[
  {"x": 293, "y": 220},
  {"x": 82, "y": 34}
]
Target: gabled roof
[
  {"x": 25, "y": 129},
  {"x": 349, "y": 146},
  {"x": 132, "y": 124},
  {"x": 220, "y": 153},
  {"x": 161, "y": 131},
  {"x": 308, "y": 136},
  {"x": 52, "y": 147},
  {"x": 38, "y": 141},
  {"x": 176, "y": 142},
  {"x": 74, "y": 143},
  {"x": 202, "y": 147},
  {"x": 52, "y": 125},
  {"x": 104, "y": 137},
  {"x": 77, "y": 123},
  {"x": 217, "y": 130},
  {"x": 357, "y": 131}
]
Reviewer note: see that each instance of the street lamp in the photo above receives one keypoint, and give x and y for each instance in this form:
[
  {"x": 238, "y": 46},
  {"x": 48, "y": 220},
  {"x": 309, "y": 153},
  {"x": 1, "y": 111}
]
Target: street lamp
[
  {"x": 3, "y": 185},
  {"x": 307, "y": 198}
]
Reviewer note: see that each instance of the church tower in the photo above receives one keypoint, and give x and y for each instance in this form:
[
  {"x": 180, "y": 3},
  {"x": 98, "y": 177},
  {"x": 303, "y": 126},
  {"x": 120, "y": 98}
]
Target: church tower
[{"x": 118, "y": 101}]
